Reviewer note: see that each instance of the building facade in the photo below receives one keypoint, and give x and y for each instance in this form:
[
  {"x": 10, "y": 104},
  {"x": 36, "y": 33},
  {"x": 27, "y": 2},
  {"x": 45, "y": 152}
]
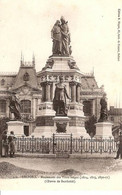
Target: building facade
[
  {"x": 35, "y": 91},
  {"x": 115, "y": 115}
]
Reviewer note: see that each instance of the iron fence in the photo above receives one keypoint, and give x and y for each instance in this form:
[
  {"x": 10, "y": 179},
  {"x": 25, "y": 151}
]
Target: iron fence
[{"x": 65, "y": 144}]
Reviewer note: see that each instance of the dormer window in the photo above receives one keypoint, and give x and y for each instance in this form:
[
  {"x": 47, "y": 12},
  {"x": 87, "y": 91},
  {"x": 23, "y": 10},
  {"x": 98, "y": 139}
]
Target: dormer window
[{"x": 26, "y": 77}]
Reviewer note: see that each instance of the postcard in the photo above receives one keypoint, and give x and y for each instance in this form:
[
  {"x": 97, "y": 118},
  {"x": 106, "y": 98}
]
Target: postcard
[{"x": 60, "y": 95}]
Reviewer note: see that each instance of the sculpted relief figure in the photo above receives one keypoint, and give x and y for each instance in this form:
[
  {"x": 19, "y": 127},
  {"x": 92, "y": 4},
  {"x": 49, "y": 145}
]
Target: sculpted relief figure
[
  {"x": 60, "y": 96},
  {"x": 61, "y": 38},
  {"x": 14, "y": 106},
  {"x": 104, "y": 110}
]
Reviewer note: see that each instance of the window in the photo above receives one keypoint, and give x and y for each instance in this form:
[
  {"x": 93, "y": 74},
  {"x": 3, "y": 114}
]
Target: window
[
  {"x": 26, "y": 77},
  {"x": 2, "y": 82},
  {"x": 25, "y": 106},
  {"x": 2, "y": 106},
  {"x": 87, "y": 108},
  {"x": 112, "y": 118}
]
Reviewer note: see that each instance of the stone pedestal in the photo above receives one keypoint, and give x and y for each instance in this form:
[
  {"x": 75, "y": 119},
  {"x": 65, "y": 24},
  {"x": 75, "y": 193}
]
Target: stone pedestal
[
  {"x": 44, "y": 120},
  {"x": 103, "y": 130},
  {"x": 76, "y": 109},
  {"x": 16, "y": 127},
  {"x": 77, "y": 122},
  {"x": 46, "y": 109},
  {"x": 77, "y": 132},
  {"x": 46, "y": 131}
]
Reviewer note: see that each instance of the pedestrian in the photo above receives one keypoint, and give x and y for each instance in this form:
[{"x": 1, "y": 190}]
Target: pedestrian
[
  {"x": 4, "y": 144},
  {"x": 11, "y": 139},
  {"x": 119, "y": 152}
]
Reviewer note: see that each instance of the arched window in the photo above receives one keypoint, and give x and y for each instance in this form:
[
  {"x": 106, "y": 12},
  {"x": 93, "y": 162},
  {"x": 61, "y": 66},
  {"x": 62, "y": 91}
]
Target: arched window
[
  {"x": 2, "y": 106},
  {"x": 25, "y": 106}
]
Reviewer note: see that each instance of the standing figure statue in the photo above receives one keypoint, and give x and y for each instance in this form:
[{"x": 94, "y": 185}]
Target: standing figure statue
[
  {"x": 14, "y": 106},
  {"x": 66, "y": 48},
  {"x": 59, "y": 101},
  {"x": 56, "y": 36},
  {"x": 104, "y": 110}
]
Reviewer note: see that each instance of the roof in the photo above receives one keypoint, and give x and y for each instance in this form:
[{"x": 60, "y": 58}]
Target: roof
[
  {"x": 8, "y": 74},
  {"x": 32, "y": 79},
  {"x": 88, "y": 82},
  {"x": 115, "y": 111}
]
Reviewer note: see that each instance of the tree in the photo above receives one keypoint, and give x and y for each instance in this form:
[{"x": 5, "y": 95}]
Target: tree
[
  {"x": 90, "y": 125},
  {"x": 3, "y": 124}
]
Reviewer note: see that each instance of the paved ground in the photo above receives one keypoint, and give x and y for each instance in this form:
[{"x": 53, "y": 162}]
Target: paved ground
[{"x": 97, "y": 166}]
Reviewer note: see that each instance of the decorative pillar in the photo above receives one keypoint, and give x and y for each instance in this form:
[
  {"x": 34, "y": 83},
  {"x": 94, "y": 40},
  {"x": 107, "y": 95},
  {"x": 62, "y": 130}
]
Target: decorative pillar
[
  {"x": 42, "y": 92},
  {"x": 51, "y": 92},
  {"x": 73, "y": 91},
  {"x": 78, "y": 92},
  {"x": 7, "y": 108},
  {"x": 34, "y": 108},
  {"x": 48, "y": 92},
  {"x": 93, "y": 107}
]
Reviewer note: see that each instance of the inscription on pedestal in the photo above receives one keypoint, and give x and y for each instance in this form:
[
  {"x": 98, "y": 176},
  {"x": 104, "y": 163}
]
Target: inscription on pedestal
[
  {"x": 44, "y": 121},
  {"x": 76, "y": 121}
]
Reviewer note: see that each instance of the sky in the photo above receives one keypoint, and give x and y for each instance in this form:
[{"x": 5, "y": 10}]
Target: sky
[{"x": 25, "y": 26}]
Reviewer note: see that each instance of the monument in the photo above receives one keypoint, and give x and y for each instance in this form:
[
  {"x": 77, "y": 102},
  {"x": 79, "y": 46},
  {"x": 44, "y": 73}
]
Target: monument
[
  {"x": 15, "y": 124},
  {"x": 103, "y": 127},
  {"x": 60, "y": 106},
  {"x": 61, "y": 109}
]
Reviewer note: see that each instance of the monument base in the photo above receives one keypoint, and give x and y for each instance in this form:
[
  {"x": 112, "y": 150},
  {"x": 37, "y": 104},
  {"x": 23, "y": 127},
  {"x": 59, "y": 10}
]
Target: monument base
[
  {"x": 78, "y": 132},
  {"x": 46, "y": 131},
  {"x": 16, "y": 127},
  {"x": 62, "y": 123},
  {"x": 103, "y": 130}
]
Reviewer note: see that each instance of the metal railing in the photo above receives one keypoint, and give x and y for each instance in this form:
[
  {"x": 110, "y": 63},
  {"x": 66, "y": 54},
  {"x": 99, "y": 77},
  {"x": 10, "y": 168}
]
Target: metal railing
[{"x": 67, "y": 145}]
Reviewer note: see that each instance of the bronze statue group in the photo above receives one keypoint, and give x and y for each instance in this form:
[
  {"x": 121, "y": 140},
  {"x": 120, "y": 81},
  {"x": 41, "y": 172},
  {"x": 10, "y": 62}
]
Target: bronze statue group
[{"x": 61, "y": 38}]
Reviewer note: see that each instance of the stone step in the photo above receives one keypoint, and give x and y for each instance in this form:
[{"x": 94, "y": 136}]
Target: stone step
[{"x": 67, "y": 155}]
